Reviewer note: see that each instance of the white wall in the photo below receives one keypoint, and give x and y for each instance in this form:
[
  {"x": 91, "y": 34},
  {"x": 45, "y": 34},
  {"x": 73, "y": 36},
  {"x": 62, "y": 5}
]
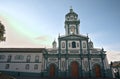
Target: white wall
[{"x": 19, "y": 65}]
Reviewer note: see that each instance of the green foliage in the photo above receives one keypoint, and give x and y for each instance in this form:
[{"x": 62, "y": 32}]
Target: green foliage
[{"x": 2, "y": 32}]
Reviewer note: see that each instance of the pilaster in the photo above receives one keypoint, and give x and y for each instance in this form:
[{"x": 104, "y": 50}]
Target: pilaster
[
  {"x": 81, "y": 56},
  {"x": 102, "y": 59},
  {"x": 89, "y": 58}
]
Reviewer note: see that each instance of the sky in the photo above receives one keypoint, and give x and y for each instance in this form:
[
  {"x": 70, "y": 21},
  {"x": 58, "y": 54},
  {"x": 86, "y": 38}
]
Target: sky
[{"x": 37, "y": 23}]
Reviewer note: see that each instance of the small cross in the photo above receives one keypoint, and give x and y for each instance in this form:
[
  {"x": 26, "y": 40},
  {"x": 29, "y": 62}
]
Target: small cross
[{"x": 70, "y": 7}]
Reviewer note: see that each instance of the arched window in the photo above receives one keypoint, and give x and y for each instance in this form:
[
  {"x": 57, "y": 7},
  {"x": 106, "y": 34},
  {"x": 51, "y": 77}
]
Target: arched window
[
  {"x": 73, "y": 44},
  {"x": 35, "y": 66},
  {"x": 9, "y": 58},
  {"x": 84, "y": 45},
  {"x": 7, "y": 66},
  {"x": 28, "y": 58},
  {"x": 63, "y": 44},
  {"x": 37, "y": 58},
  {"x": 27, "y": 66}
]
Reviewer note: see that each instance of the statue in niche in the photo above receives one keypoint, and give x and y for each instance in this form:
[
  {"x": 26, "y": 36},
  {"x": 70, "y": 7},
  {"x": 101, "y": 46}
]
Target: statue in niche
[
  {"x": 84, "y": 45},
  {"x": 63, "y": 45},
  {"x": 63, "y": 65},
  {"x": 85, "y": 65}
]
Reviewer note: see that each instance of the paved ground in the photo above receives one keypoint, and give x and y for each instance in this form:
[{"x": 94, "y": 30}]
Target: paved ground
[
  {"x": 57, "y": 78},
  {"x": 4, "y": 76}
]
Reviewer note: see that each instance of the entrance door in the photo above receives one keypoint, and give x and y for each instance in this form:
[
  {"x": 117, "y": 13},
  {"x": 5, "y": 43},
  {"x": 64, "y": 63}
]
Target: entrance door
[
  {"x": 52, "y": 70},
  {"x": 97, "y": 71},
  {"x": 74, "y": 69}
]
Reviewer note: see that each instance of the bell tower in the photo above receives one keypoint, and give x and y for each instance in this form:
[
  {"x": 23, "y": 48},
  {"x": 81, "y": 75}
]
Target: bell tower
[{"x": 72, "y": 23}]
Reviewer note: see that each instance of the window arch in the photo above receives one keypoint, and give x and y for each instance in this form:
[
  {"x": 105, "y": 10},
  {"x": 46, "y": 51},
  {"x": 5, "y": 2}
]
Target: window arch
[
  {"x": 36, "y": 58},
  {"x": 73, "y": 44},
  {"x": 7, "y": 66},
  {"x": 27, "y": 66},
  {"x": 35, "y": 66},
  {"x": 63, "y": 44},
  {"x": 28, "y": 58},
  {"x": 9, "y": 58}
]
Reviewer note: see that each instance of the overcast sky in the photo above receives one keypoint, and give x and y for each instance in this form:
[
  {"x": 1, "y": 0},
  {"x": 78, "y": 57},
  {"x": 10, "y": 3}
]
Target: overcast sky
[{"x": 36, "y": 23}]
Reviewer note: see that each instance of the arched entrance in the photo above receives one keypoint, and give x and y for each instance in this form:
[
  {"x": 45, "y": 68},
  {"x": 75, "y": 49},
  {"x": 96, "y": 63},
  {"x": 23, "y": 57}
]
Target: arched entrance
[
  {"x": 52, "y": 70},
  {"x": 74, "y": 69},
  {"x": 97, "y": 70}
]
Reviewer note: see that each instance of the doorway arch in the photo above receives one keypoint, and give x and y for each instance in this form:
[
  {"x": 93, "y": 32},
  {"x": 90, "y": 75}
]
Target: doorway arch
[
  {"x": 74, "y": 69},
  {"x": 52, "y": 70},
  {"x": 97, "y": 70}
]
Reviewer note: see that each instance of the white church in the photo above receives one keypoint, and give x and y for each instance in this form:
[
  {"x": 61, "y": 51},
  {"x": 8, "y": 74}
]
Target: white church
[{"x": 75, "y": 56}]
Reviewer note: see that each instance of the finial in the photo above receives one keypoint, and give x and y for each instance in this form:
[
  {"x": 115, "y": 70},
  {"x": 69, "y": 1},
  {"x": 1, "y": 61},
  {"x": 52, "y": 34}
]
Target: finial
[
  {"x": 70, "y": 7},
  {"x": 71, "y": 10},
  {"x": 59, "y": 35},
  {"x": 102, "y": 49},
  {"x": 87, "y": 34}
]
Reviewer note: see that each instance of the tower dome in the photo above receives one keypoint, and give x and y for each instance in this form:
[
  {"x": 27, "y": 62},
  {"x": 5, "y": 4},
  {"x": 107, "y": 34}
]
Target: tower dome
[
  {"x": 71, "y": 16},
  {"x": 71, "y": 13}
]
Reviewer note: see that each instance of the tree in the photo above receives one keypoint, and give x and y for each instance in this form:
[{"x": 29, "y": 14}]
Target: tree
[{"x": 2, "y": 32}]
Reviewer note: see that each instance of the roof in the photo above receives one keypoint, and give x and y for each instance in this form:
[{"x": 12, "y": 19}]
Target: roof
[
  {"x": 116, "y": 64},
  {"x": 22, "y": 49}
]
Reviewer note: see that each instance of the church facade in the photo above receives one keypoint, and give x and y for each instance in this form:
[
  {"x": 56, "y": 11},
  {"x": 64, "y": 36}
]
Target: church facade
[{"x": 75, "y": 56}]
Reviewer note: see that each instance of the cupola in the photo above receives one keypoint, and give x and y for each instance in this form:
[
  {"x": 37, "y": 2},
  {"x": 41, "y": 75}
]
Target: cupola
[
  {"x": 90, "y": 44},
  {"x": 54, "y": 44}
]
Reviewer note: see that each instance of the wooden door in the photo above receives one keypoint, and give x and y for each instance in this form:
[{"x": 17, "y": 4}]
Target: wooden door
[
  {"x": 74, "y": 69},
  {"x": 97, "y": 71},
  {"x": 52, "y": 70}
]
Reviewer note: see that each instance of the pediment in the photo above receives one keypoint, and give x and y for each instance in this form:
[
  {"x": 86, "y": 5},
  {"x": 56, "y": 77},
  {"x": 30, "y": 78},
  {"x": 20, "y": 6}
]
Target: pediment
[{"x": 71, "y": 37}]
